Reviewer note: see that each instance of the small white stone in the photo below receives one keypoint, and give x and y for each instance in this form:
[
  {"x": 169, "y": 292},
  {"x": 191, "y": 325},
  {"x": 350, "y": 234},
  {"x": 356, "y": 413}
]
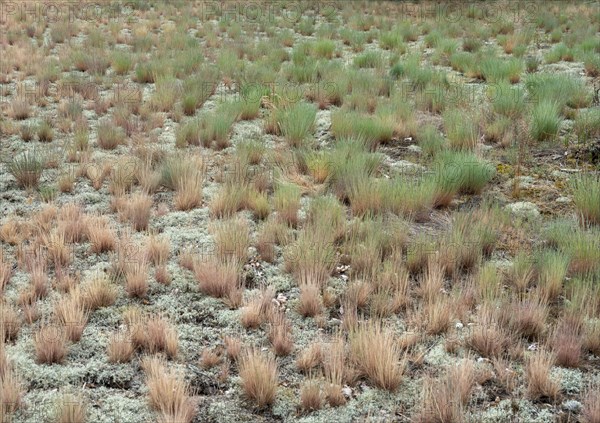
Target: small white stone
[
  {"x": 347, "y": 391},
  {"x": 459, "y": 325},
  {"x": 532, "y": 347}
]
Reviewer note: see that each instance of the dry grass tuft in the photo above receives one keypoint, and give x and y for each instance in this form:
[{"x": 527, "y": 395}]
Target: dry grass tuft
[
  {"x": 311, "y": 303},
  {"x": 136, "y": 277},
  {"x": 210, "y": 358},
  {"x": 153, "y": 334},
  {"x": 310, "y": 357},
  {"x": 231, "y": 198},
  {"x": 11, "y": 231},
  {"x": 527, "y": 316},
  {"x": 125, "y": 252},
  {"x": 11, "y": 392},
  {"x": 120, "y": 348},
  {"x": 71, "y": 314},
  {"x": 462, "y": 378},
  {"x": 567, "y": 341},
  {"x": 99, "y": 292},
  {"x": 335, "y": 370},
  {"x": 256, "y": 308},
  {"x": 186, "y": 259},
  {"x": 56, "y": 248},
  {"x": 431, "y": 283},
  {"x": 232, "y": 239},
  {"x": 50, "y": 344},
  {"x": 311, "y": 395},
  {"x": 219, "y": 279},
  {"x": 10, "y": 322},
  {"x": 233, "y": 347},
  {"x": 189, "y": 192},
  {"x": 488, "y": 337},
  {"x": 591, "y": 336},
  {"x": 168, "y": 392},
  {"x": 137, "y": 211},
  {"x": 375, "y": 351},
  {"x": 439, "y": 404},
  {"x": 158, "y": 249},
  {"x": 11, "y": 387},
  {"x": 101, "y": 235},
  {"x": 537, "y": 373},
  {"x": 591, "y": 405},
  {"x": 162, "y": 276},
  {"x": 73, "y": 223},
  {"x": 280, "y": 334},
  {"x": 444, "y": 399},
  {"x": 259, "y": 375},
  {"x": 437, "y": 315},
  {"x": 5, "y": 271}
]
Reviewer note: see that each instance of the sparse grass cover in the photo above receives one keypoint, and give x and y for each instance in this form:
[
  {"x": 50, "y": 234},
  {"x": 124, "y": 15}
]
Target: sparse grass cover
[
  {"x": 384, "y": 198},
  {"x": 587, "y": 198}
]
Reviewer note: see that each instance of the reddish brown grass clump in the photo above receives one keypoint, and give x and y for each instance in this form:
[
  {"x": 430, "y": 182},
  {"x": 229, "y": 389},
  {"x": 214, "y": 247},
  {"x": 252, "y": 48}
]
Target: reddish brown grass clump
[
  {"x": 375, "y": 351},
  {"x": 591, "y": 405},
  {"x": 136, "y": 278},
  {"x": 71, "y": 314},
  {"x": 50, "y": 344},
  {"x": 567, "y": 341},
  {"x": 169, "y": 394},
  {"x": 153, "y": 334},
  {"x": 101, "y": 235},
  {"x": 311, "y": 395},
  {"x": 259, "y": 377},
  {"x": 310, "y": 357},
  {"x": 537, "y": 370},
  {"x": 120, "y": 348},
  {"x": 335, "y": 370},
  {"x": 219, "y": 279},
  {"x": 280, "y": 333},
  {"x": 488, "y": 337}
]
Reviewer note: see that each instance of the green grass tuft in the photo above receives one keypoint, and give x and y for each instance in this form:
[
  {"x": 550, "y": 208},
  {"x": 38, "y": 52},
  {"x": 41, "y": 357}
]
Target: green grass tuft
[{"x": 586, "y": 195}]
